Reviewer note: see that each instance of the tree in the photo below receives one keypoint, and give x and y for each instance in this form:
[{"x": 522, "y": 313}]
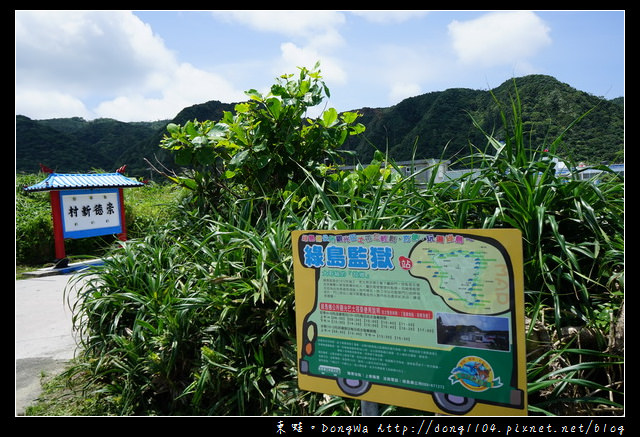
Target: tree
[{"x": 267, "y": 142}]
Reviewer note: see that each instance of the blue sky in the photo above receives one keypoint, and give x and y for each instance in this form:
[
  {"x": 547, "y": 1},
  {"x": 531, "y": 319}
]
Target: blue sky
[{"x": 148, "y": 65}]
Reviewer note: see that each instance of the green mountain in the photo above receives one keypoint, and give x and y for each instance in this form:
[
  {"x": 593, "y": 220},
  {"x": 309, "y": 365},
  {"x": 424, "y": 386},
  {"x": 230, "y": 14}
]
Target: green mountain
[
  {"x": 439, "y": 124},
  {"x": 74, "y": 145},
  {"x": 432, "y": 125}
]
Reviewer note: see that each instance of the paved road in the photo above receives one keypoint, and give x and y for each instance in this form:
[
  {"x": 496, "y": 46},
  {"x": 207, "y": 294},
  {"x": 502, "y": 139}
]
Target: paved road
[{"x": 43, "y": 333}]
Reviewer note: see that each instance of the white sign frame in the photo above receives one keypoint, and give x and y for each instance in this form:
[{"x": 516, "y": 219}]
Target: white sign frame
[{"x": 89, "y": 213}]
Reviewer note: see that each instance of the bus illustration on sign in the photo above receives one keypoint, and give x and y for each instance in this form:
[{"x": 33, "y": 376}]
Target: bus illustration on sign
[{"x": 431, "y": 320}]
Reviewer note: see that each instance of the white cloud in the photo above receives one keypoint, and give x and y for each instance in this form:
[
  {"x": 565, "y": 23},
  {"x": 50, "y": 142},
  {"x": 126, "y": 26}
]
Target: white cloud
[
  {"x": 499, "y": 38},
  {"x": 41, "y": 104},
  {"x": 313, "y": 36},
  {"x": 111, "y": 61},
  {"x": 185, "y": 86},
  {"x": 77, "y": 51},
  {"x": 389, "y": 17},
  {"x": 294, "y": 56},
  {"x": 402, "y": 71},
  {"x": 303, "y": 23},
  {"x": 402, "y": 90}
]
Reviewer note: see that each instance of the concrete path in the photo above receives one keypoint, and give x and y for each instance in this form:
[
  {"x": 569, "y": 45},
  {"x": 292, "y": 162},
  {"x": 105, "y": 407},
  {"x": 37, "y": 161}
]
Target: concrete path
[{"x": 43, "y": 334}]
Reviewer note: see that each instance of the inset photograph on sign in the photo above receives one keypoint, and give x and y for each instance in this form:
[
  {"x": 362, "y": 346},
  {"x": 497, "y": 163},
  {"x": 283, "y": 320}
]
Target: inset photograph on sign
[
  {"x": 430, "y": 320},
  {"x": 480, "y": 332}
]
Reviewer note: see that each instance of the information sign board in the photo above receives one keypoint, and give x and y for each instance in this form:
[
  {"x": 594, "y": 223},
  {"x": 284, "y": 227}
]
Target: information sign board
[
  {"x": 91, "y": 212},
  {"x": 430, "y": 320}
]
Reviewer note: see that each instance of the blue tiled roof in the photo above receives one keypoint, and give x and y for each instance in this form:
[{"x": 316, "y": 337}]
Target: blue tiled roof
[{"x": 60, "y": 181}]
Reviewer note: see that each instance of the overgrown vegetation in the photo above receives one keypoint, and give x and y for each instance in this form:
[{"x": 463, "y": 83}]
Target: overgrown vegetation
[{"x": 196, "y": 317}]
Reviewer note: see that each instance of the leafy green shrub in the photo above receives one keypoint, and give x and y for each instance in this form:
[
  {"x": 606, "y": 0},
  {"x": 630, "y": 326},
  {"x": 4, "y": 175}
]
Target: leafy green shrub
[
  {"x": 264, "y": 145},
  {"x": 147, "y": 207},
  {"x": 34, "y": 228},
  {"x": 191, "y": 319}
]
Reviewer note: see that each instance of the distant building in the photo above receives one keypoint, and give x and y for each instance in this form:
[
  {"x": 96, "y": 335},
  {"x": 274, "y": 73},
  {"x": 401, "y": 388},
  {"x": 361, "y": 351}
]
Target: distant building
[{"x": 422, "y": 169}]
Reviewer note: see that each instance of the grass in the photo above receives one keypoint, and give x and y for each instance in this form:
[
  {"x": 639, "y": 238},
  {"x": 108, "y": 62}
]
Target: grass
[{"x": 64, "y": 396}]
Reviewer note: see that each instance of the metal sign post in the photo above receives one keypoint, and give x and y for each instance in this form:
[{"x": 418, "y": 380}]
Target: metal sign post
[{"x": 369, "y": 408}]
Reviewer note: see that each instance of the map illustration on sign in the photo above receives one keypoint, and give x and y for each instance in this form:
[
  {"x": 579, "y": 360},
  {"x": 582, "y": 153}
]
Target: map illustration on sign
[
  {"x": 431, "y": 320},
  {"x": 471, "y": 278}
]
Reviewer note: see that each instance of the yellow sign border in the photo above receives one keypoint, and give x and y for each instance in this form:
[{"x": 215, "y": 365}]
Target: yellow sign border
[{"x": 305, "y": 279}]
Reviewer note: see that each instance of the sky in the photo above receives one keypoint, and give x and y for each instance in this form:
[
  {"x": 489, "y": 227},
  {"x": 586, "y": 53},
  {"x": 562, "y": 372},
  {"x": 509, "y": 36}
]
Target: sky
[{"x": 149, "y": 65}]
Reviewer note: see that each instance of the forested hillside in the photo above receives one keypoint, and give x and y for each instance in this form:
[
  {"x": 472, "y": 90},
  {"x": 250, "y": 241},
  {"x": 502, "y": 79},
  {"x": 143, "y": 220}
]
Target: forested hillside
[
  {"x": 432, "y": 125},
  {"x": 439, "y": 124}
]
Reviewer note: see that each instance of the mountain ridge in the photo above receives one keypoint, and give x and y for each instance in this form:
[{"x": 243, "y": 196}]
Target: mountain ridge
[{"x": 437, "y": 124}]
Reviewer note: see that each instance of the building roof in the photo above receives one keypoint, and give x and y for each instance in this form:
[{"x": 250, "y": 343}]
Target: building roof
[{"x": 60, "y": 181}]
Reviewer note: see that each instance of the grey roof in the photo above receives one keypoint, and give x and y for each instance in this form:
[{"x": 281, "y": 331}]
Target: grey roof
[{"x": 60, "y": 181}]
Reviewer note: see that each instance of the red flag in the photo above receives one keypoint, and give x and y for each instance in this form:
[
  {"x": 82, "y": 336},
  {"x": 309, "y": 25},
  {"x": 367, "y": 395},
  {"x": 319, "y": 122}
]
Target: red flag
[{"x": 46, "y": 169}]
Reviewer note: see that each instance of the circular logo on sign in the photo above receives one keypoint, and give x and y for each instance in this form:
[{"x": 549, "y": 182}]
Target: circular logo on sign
[{"x": 475, "y": 374}]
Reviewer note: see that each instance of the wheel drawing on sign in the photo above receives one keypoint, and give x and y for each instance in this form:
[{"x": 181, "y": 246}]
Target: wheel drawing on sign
[
  {"x": 353, "y": 387},
  {"x": 453, "y": 404}
]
